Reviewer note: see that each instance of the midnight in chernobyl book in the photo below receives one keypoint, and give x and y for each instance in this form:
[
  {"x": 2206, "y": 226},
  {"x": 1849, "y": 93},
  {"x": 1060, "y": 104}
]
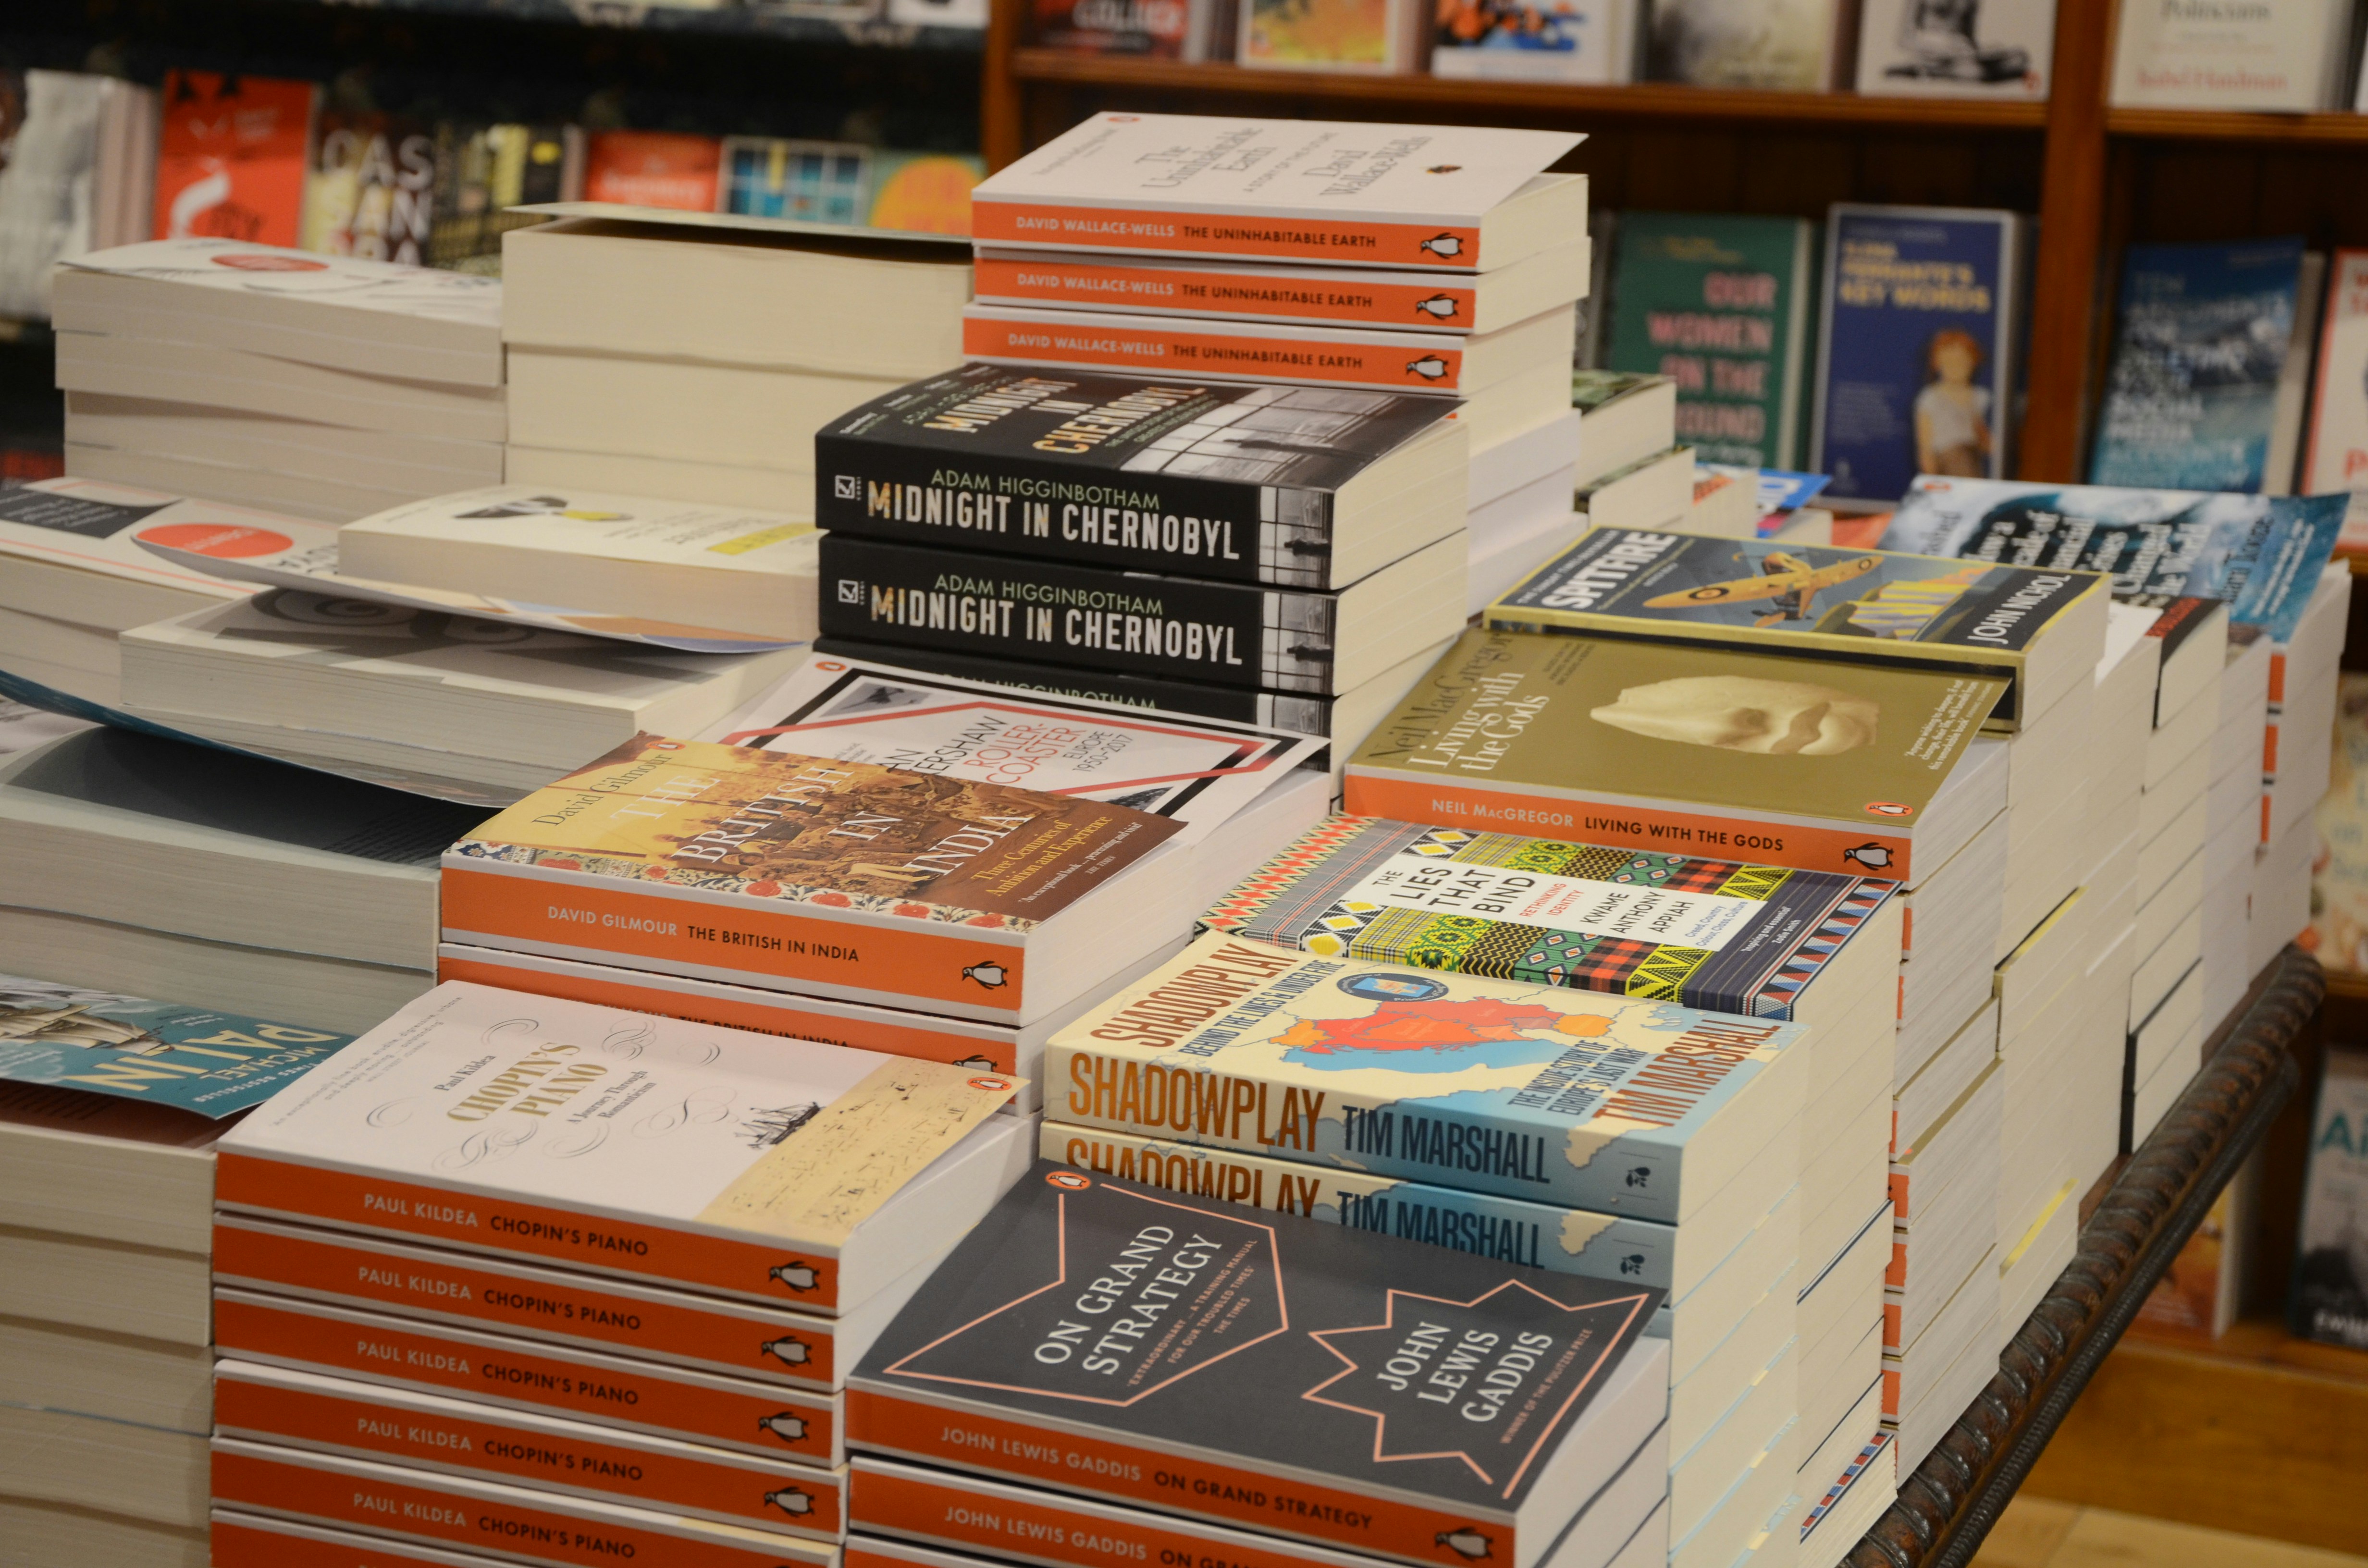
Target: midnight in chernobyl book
[{"x": 1198, "y": 1357}]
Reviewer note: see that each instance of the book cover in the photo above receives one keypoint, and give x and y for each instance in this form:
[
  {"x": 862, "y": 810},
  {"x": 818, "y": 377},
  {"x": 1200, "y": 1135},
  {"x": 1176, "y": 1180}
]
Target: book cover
[
  {"x": 1717, "y": 935},
  {"x": 1318, "y": 355},
  {"x": 1380, "y": 35},
  {"x": 2337, "y": 455},
  {"x": 1988, "y": 49},
  {"x": 614, "y": 527},
  {"x": 2262, "y": 553},
  {"x": 1153, "y": 285},
  {"x": 2191, "y": 399},
  {"x": 53, "y": 179},
  {"x": 923, "y": 193},
  {"x": 1916, "y": 350},
  {"x": 1536, "y": 40},
  {"x": 1617, "y": 1104},
  {"x": 96, "y": 526},
  {"x": 781, "y": 868},
  {"x": 313, "y": 284},
  {"x": 1720, "y": 305},
  {"x": 483, "y": 171},
  {"x": 372, "y": 192},
  {"x": 1786, "y": 46},
  {"x": 1158, "y": 30},
  {"x": 1921, "y": 611},
  {"x": 653, "y": 168},
  {"x": 2273, "y": 54},
  {"x": 1262, "y": 1369},
  {"x": 813, "y": 182},
  {"x": 232, "y": 158},
  {"x": 192, "y": 1059},
  {"x": 2329, "y": 1301},
  {"x": 1508, "y": 1230},
  {"x": 1824, "y": 766},
  {"x": 1231, "y": 482},
  {"x": 1276, "y": 709},
  {"x": 1316, "y": 190}
]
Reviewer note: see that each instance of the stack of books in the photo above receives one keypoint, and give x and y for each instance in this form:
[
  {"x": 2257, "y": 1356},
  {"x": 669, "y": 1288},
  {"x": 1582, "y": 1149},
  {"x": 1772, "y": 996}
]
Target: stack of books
[
  {"x": 110, "y": 1110},
  {"x": 556, "y": 1273},
  {"x": 1222, "y": 1384},
  {"x": 2305, "y": 632},
  {"x": 328, "y": 387},
  {"x": 2232, "y": 830},
  {"x": 694, "y": 356}
]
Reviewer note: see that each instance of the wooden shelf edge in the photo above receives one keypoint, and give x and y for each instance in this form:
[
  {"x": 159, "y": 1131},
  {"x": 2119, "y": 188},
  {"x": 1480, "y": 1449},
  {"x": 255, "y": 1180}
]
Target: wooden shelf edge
[
  {"x": 1642, "y": 101},
  {"x": 2335, "y": 129}
]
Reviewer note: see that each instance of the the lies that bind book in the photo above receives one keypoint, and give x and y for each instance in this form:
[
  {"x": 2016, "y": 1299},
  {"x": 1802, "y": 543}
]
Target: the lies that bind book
[
  {"x": 1713, "y": 933},
  {"x": 1097, "y": 1336},
  {"x": 1624, "y": 1105},
  {"x": 782, "y": 1171}
]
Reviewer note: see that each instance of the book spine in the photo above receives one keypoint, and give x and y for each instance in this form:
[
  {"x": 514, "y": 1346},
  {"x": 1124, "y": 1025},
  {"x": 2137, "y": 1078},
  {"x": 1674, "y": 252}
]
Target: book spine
[
  {"x": 425, "y": 1510},
  {"x": 1308, "y": 715},
  {"x": 1122, "y": 1472},
  {"x": 987, "y": 1047},
  {"x": 530, "y": 1231},
  {"x": 1619, "y": 824},
  {"x": 777, "y": 1349},
  {"x": 1043, "y": 337},
  {"x": 784, "y": 1499},
  {"x": 487, "y": 904},
  {"x": 237, "y": 1544},
  {"x": 1447, "y": 304},
  {"x": 1160, "y": 232},
  {"x": 1050, "y": 508},
  {"x": 415, "y": 1355},
  {"x": 1223, "y": 633}
]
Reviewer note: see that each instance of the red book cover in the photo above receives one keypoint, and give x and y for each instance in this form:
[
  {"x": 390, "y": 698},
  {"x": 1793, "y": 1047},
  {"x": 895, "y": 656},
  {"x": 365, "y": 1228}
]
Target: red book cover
[
  {"x": 653, "y": 168},
  {"x": 231, "y": 157}
]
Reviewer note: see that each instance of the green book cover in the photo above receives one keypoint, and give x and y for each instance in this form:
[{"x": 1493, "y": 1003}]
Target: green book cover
[{"x": 1719, "y": 304}]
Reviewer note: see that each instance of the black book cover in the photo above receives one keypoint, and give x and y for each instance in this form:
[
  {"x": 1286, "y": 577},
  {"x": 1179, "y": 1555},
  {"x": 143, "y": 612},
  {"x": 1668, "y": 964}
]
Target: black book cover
[
  {"x": 1198, "y": 1356},
  {"x": 1268, "y": 710},
  {"x": 1216, "y": 480},
  {"x": 1118, "y": 622}
]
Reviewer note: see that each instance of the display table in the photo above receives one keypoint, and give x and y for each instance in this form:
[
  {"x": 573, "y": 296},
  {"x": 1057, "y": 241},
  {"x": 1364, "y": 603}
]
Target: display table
[{"x": 2157, "y": 1197}]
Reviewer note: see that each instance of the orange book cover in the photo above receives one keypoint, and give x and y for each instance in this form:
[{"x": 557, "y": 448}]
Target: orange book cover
[
  {"x": 1320, "y": 356},
  {"x": 1442, "y": 303},
  {"x": 653, "y": 168},
  {"x": 232, "y": 156}
]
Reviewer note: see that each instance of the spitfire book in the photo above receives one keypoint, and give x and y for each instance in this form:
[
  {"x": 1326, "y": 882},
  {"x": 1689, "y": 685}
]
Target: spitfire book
[
  {"x": 1103, "y": 1337},
  {"x": 1919, "y": 611},
  {"x": 1622, "y": 1104}
]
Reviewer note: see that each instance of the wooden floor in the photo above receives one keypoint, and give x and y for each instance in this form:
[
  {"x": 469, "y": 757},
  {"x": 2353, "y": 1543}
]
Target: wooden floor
[{"x": 2039, "y": 1533}]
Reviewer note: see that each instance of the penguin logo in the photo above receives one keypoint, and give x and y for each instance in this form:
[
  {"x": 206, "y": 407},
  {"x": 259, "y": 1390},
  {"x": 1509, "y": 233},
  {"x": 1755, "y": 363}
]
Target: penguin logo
[
  {"x": 789, "y": 1500},
  {"x": 799, "y": 1277},
  {"x": 990, "y": 976},
  {"x": 1445, "y": 246},
  {"x": 1069, "y": 1179},
  {"x": 1466, "y": 1543},
  {"x": 1640, "y": 1175},
  {"x": 789, "y": 1428},
  {"x": 1430, "y": 368},
  {"x": 1890, "y": 809},
  {"x": 1632, "y": 1264},
  {"x": 788, "y": 1352},
  {"x": 990, "y": 1085},
  {"x": 1440, "y": 307},
  {"x": 1873, "y": 857},
  {"x": 975, "y": 1062}
]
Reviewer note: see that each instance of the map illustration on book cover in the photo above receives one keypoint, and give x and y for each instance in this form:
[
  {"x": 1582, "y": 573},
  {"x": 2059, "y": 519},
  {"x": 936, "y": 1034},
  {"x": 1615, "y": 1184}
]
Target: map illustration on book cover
[
  {"x": 1228, "y": 481},
  {"x": 1712, "y": 934},
  {"x": 1398, "y": 1394},
  {"x": 1930, "y": 613},
  {"x": 2262, "y": 553},
  {"x": 192, "y": 1059},
  {"x": 1623, "y": 1104}
]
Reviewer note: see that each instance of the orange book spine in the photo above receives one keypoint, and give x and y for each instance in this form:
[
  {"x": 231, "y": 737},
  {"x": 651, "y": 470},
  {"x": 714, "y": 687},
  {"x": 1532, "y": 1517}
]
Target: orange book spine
[
  {"x": 1155, "y": 231},
  {"x": 754, "y": 947},
  {"x": 1891, "y": 1392},
  {"x": 1281, "y": 355},
  {"x": 1891, "y": 1320},
  {"x": 782, "y": 1012},
  {"x": 1855, "y": 851},
  {"x": 422, "y": 1359},
  {"x": 540, "y": 1309},
  {"x": 798, "y": 1502},
  {"x": 1444, "y": 305},
  {"x": 1128, "y": 1472},
  {"x": 434, "y": 1513},
  {"x": 528, "y": 1231}
]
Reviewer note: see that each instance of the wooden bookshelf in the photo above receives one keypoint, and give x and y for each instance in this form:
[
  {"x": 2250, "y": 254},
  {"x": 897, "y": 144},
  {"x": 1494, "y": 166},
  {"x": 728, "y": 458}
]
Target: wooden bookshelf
[{"x": 2334, "y": 130}]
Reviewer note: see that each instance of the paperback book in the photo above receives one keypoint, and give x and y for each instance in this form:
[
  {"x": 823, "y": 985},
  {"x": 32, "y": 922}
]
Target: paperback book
[
  {"x": 58, "y": 526},
  {"x": 1624, "y": 1105},
  {"x": 1276, "y": 709},
  {"x": 1302, "y": 487},
  {"x": 2336, "y": 456},
  {"x": 213, "y": 1063},
  {"x": 1987, "y": 49},
  {"x": 1267, "y": 1371},
  {"x": 2039, "y": 629},
  {"x": 232, "y": 158},
  {"x": 2330, "y": 1299}
]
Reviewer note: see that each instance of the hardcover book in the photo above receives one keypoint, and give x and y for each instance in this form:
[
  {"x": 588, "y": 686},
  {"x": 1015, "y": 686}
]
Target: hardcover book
[
  {"x": 1712, "y": 934},
  {"x": 1231, "y": 482},
  {"x": 1822, "y": 766},
  {"x": 790, "y": 872},
  {"x": 231, "y": 161},
  {"x": 1927, "y": 612},
  {"x": 2263, "y": 554},
  {"x": 1624, "y": 1105},
  {"x": 2329, "y": 1298},
  {"x": 1917, "y": 346},
  {"x": 622, "y": 1144},
  {"x": 1463, "y": 198},
  {"x": 1399, "y": 1399}
]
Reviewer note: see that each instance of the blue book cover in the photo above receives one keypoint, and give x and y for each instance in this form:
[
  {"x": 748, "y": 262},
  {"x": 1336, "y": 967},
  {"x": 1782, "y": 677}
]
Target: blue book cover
[
  {"x": 2191, "y": 398},
  {"x": 1916, "y": 363},
  {"x": 2262, "y": 553},
  {"x": 192, "y": 1059}
]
